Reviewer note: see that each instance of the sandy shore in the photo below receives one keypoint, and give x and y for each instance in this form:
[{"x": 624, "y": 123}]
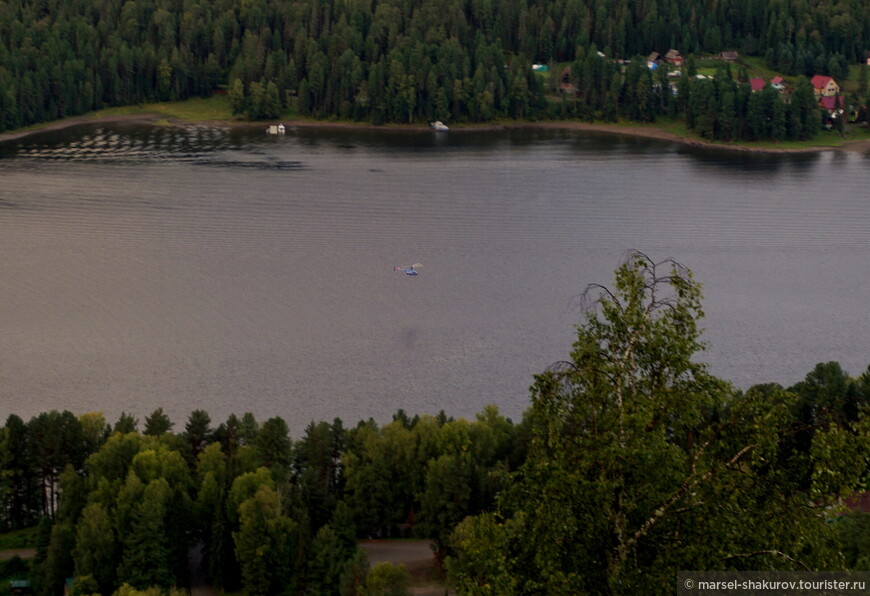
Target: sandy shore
[{"x": 634, "y": 131}]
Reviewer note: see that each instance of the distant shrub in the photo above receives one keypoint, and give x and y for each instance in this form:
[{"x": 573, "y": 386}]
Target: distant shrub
[{"x": 386, "y": 579}]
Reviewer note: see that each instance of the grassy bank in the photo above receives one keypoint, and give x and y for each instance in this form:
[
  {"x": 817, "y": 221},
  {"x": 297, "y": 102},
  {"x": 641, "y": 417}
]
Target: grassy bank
[
  {"x": 25, "y": 538},
  {"x": 675, "y": 130},
  {"x": 216, "y": 107}
]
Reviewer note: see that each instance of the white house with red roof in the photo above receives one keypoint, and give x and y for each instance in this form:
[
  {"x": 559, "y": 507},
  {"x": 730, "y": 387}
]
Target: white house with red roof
[
  {"x": 777, "y": 83},
  {"x": 825, "y": 86}
]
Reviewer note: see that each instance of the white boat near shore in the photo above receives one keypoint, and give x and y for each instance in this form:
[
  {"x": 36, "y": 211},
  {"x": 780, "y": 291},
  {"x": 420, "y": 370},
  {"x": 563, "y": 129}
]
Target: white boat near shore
[
  {"x": 276, "y": 129},
  {"x": 439, "y": 126}
]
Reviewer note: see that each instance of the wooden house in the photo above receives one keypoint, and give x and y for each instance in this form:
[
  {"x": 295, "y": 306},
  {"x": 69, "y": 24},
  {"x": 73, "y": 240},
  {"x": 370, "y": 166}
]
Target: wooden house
[
  {"x": 824, "y": 86},
  {"x": 673, "y": 57},
  {"x": 729, "y": 56}
]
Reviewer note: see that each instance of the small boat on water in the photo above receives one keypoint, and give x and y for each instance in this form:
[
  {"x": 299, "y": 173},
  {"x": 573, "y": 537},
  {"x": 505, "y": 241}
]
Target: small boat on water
[
  {"x": 410, "y": 269},
  {"x": 439, "y": 126},
  {"x": 276, "y": 129}
]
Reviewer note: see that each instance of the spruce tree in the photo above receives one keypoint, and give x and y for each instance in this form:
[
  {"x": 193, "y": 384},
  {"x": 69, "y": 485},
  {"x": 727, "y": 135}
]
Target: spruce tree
[
  {"x": 264, "y": 544},
  {"x": 157, "y": 423},
  {"x": 95, "y": 551},
  {"x": 145, "y": 561}
]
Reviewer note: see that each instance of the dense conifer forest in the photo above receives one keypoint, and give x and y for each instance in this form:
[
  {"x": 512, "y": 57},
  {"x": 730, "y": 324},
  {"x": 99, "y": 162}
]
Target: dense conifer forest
[
  {"x": 631, "y": 462},
  {"x": 416, "y": 61}
]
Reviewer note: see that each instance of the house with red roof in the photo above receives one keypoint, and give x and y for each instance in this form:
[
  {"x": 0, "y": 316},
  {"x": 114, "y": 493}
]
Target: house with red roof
[
  {"x": 673, "y": 57},
  {"x": 834, "y": 109},
  {"x": 777, "y": 83},
  {"x": 824, "y": 86},
  {"x": 757, "y": 84},
  {"x": 831, "y": 104}
]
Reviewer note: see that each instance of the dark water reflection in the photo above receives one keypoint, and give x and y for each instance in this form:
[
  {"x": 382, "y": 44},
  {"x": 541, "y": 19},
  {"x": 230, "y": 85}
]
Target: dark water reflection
[{"x": 229, "y": 270}]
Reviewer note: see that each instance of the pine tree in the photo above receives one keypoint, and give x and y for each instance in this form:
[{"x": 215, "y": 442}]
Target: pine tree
[
  {"x": 756, "y": 120},
  {"x": 198, "y": 431},
  {"x": 237, "y": 97},
  {"x": 157, "y": 423},
  {"x": 804, "y": 101},
  {"x": 264, "y": 546},
  {"x": 94, "y": 552},
  {"x": 145, "y": 561}
]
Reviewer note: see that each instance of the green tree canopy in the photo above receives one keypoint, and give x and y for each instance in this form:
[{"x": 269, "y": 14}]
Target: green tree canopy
[
  {"x": 157, "y": 423},
  {"x": 95, "y": 551},
  {"x": 642, "y": 463},
  {"x": 264, "y": 543}
]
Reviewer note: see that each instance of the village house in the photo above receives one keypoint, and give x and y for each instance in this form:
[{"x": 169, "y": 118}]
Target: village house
[
  {"x": 729, "y": 56},
  {"x": 777, "y": 83},
  {"x": 654, "y": 58},
  {"x": 757, "y": 84},
  {"x": 673, "y": 57},
  {"x": 834, "y": 108},
  {"x": 832, "y": 104},
  {"x": 824, "y": 86}
]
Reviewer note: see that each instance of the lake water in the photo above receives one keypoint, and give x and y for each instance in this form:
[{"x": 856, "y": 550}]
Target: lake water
[{"x": 233, "y": 271}]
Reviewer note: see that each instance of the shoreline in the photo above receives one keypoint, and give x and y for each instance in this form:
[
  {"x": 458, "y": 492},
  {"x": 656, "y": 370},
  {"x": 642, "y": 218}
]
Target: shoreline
[
  {"x": 75, "y": 121},
  {"x": 637, "y": 131}
]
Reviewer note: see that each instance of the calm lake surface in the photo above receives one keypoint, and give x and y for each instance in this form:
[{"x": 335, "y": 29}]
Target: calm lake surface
[{"x": 232, "y": 271}]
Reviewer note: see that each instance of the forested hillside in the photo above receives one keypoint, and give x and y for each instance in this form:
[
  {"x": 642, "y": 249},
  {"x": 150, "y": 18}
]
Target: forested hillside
[
  {"x": 632, "y": 462},
  {"x": 386, "y": 60}
]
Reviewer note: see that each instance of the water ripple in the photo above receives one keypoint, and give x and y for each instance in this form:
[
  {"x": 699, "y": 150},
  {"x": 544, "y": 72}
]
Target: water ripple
[{"x": 224, "y": 269}]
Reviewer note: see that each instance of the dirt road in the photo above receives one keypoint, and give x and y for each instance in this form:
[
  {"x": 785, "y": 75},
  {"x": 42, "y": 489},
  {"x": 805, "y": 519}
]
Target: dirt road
[
  {"x": 416, "y": 555},
  {"x": 24, "y": 553}
]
